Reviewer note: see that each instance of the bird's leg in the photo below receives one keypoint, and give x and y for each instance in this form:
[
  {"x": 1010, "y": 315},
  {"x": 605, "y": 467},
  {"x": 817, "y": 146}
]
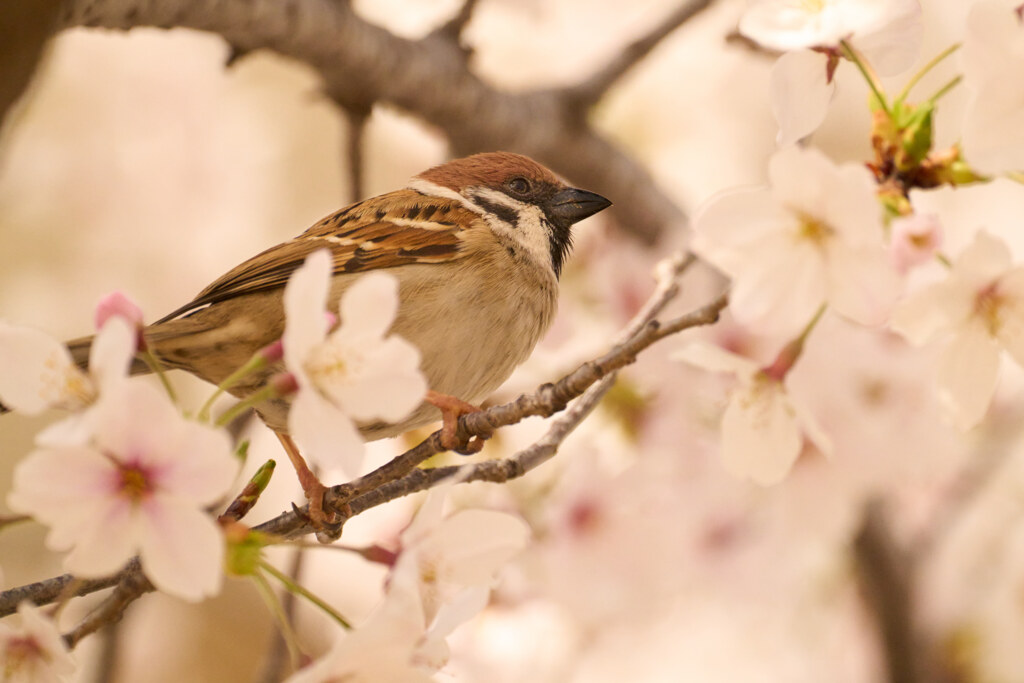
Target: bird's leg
[
  {"x": 451, "y": 409},
  {"x": 313, "y": 489}
]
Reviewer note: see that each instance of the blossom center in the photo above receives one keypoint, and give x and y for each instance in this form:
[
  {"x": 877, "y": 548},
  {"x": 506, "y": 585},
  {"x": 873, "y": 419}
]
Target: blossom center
[
  {"x": 18, "y": 655},
  {"x": 813, "y": 230},
  {"x": 987, "y": 305},
  {"x": 136, "y": 482}
]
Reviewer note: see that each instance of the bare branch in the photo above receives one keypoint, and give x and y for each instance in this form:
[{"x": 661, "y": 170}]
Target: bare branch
[
  {"x": 592, "y": 90},
  {"x": 26, "y": 27},
  {"x": 428, "y": 78},
  {"x": 131, "y": 586},
  {"x": 354, "y": 152}
]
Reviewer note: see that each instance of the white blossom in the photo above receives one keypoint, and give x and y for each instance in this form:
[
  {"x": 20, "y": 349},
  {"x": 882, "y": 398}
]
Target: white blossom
[
  {"x": 35, "y": 651},
  {"x": 980, "y": 307},
  {"x": 814, "y": 237},
  {"x": 354, "y": 373},
  {"x": 133, "y": 479},
  {"x": 763, "y": 429},
  {"x": 993, "y": 60}
]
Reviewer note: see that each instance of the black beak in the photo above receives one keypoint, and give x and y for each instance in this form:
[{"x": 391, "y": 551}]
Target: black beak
[{"x": 570, "y": 205}]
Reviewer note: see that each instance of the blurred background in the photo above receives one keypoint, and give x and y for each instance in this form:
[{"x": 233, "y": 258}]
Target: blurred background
[{"x": 139, "y": 162}]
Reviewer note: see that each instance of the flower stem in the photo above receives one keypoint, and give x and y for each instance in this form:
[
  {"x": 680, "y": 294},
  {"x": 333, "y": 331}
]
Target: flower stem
[
  {"x": 252, "y": 365},
  {"x": 869, "y": 74},
  {"x": 945, "y": 89},
  {"x": 249, "y": 401},
  {"x": 274, "y": 605},
  {"x": 293, "y": 587},
  {"x": 916, "y": 78},
  {"x": 160, "y": 371}
]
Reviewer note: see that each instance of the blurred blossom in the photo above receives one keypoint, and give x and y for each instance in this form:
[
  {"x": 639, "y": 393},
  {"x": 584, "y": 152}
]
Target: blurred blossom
[
  {"x": 993, "y": 60},
  {"x": 37, "y": 372},
  {"x": 814, "y": 237},
  {"x": 981, "y": 307},
  {"x": 134, "y": 479},
  {"x": 353, "y": 373},
  {"x": 380, "y": 651},
  {"x": 915, "y": 240},
  {"x": 887, "y": 32},
  {"x": 35, "y": 651},
  {"x": 763, "y": 430}
]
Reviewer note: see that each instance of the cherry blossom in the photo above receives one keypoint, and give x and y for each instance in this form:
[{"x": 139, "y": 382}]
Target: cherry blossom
[
  {"x": 814, "y": 237},
  {"x": 993, "y": 59},
  {"x": 35, "y": 652},
  {"x": 887, "y": 32},
  {"x": 980, "y": 306},
  {"x": 763, "y": 429},
  {"x": 37, "y": 371},
  {"x": 134, "y": 479},
  {"x": 914, "y": 241},
  {"x": 354, "y": 373}
]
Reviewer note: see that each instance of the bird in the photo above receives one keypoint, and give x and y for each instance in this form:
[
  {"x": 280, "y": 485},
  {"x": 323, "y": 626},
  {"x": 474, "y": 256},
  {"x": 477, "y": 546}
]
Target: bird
[{"x": 477, "y": 245}]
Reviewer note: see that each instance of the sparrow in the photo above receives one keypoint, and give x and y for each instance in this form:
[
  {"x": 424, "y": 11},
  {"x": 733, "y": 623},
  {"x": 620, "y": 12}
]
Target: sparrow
[{"x": 477, "y": 245}]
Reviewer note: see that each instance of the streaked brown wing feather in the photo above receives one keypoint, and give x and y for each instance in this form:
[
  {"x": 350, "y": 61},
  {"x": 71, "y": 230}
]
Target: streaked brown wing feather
[{"x": 395, "y": 229}]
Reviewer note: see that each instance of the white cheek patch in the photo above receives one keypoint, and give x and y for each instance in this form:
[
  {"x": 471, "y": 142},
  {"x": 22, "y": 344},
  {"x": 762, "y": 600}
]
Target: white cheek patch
[
  {"x": 435, "y": 190},
  {"x": 530, "y": 229}
]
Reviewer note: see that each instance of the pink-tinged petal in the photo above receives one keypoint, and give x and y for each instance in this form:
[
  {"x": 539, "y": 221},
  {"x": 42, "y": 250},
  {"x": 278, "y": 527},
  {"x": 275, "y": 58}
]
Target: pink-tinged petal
[
  {"x": 182, "y": 550},
  {"x": 200, "y": 467},
  {"x": 716, "y": 359},
  {"x": 921, "y": 316},
  {"x": 305, "y": 301},
  {"x": 784, "y": 25},
  {"x": 915, "y": 240},
  {"x": 894, "y": 46},
  {"x": 325, "y": 435},
  {"x": 368, "y": 307},
  {"x": 133, "y": 422},
  {"x": 982, "y": 262},
  {"x": 862, "y": 286},
  {"x": 968, "y": 373},
  {"x": 782, "y": 290},
  {"x": 118, "y": 305},
  {"x": 730, "y": 226},
  {"x": 800, "y": 94},
  {"x": 760, "y": 435},
  {"x": 56, "y": 660},
  {"x": 105, "y": 545},
  {"x": 111, "y": 353},
  {"x": 56, "y": 485},
  {"x": 993, "y": 138},
  {"x": 1010, "y": 330},
  {"x": 37, "y": 373}
]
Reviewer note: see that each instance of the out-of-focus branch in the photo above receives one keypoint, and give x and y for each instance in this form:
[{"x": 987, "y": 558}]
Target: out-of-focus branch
[
  {"x": 131, "y": 586},
  {"x": 594, "y": 88},
  {"x": 429, "y": 78},
  {"x": 25, "y": 27}
]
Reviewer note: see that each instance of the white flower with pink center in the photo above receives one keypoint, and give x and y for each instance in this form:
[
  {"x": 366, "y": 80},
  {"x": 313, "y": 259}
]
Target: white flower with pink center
[
  {"x": 133, "y": 478},
  {"x": 980, "y": 307}
]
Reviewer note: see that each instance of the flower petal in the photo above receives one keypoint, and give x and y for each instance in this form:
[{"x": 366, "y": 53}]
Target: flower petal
[
  {"x": 862, "y": 285},
  {"x": 182, "y": 550},
  {"x": 369, "y": 305},
  {"x": 716, "y": 359},
  {"x": 111, "y": 353},
  {"x": 800, "y": 94},
  {"x": 968, "y": 372},
  {"x": 305, "y": 305},
  {"x": 324, "y": 434},
  {"x": 760, "y": 435},
  {"x": 36, "y": 372}
]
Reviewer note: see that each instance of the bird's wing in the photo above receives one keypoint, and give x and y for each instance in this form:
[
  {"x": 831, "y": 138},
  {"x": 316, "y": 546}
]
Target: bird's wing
[{"x": 395, "y": 229}]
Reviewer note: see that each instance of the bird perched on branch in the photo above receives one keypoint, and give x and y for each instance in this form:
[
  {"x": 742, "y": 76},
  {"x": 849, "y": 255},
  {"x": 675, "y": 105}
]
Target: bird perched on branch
[{"x": 477, "y": 245}]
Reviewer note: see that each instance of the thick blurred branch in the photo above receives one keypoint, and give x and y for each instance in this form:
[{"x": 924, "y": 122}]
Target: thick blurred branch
[
  {"x": 429, "y": 78},
  {"x": 25, "y": 26}
]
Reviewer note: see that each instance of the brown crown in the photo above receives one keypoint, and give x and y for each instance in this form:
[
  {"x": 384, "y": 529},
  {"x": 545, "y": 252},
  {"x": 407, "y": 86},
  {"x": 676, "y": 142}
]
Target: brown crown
[{"x": 489, "y": 169}]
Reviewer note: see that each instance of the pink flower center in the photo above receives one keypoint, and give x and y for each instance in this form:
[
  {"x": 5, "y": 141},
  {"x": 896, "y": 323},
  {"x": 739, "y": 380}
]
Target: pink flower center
[
  {"x": 987, "y": 304},
  {"x": 19, "y": 654},
  {"x": 136, "y": 482}
]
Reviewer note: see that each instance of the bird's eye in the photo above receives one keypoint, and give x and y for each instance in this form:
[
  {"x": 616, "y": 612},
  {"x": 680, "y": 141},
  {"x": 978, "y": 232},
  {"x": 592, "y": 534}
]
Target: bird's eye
[{"x": 520, "y": 186}]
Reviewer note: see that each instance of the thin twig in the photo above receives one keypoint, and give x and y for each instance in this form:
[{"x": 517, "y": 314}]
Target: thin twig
[
  {"x": 593, "y": 89},
  {"x": 131, "y": 586}
]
